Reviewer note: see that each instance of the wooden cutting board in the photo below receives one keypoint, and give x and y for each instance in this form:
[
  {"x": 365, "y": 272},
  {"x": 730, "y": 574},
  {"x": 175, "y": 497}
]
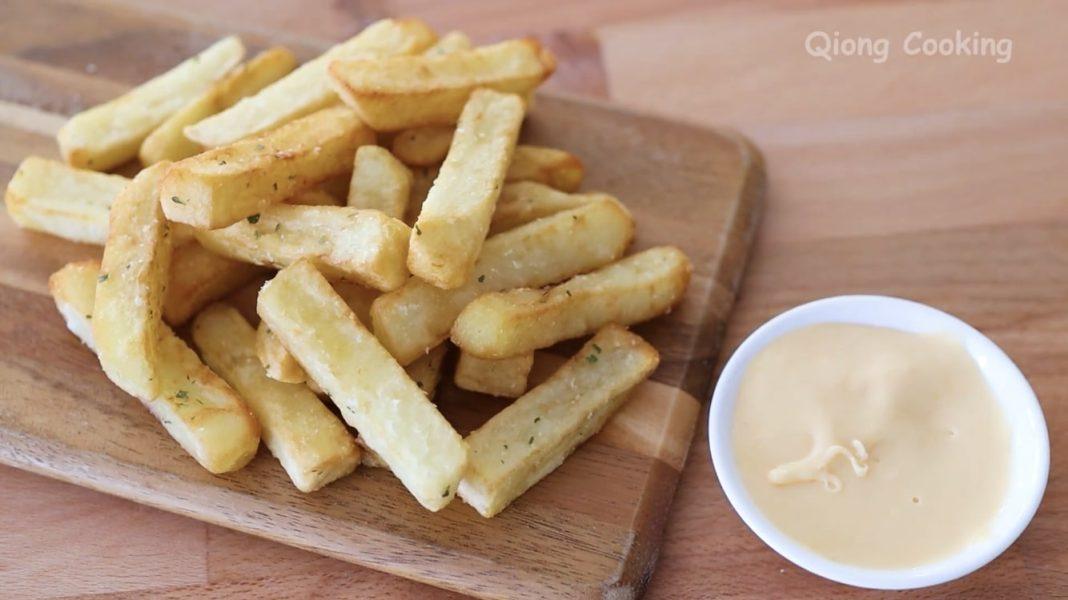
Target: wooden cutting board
[{"x": 591, "y": 528}]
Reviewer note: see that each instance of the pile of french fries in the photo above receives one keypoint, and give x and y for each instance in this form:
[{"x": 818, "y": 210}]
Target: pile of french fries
[{"x": 384, "y": 183}]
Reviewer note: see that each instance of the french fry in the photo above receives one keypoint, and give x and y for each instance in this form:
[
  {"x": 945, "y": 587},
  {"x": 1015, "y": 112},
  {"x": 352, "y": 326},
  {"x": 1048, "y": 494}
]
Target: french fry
[
  {"x": 525, "y": 201},
  {"x": 448, "y": 43},
  {"x": 419, "y": 316},
  {"x": 553, "y": 167},
  {"x": 379, "y": 181},
  {"x": 426, "y": 146},
  {"x": 411, "y": 91},
  {"x": 51, "y": 197},
  {"x": 422, "y": 181},
  {"x": 110, "y": 134},
  {"x": 425, "y": 371},
  {"x": 368, "y": 457},
  {"x": 374, "y": 393},
  {"x": 197, "y": 408},
  {"x": 363, "y": 246},
  {"x": 199, "y": 277},
  {"x": 277, "y": 362},
  {"x": 312, "y": 444},
  {"x": 455, "y": 218},
  {"x": 423, "y": 146},
  {"x": 168, "y": 141},
  {"x": 531, "y": 437},
  {"x": 306, "y": 90},
  {"x": 131, "y": 287},
  {"x": 635, "y": 289},
  {"x": 222, "y": 186},
  {"x": 505, "y": 377},
  {"x": 314, "y": 197}
]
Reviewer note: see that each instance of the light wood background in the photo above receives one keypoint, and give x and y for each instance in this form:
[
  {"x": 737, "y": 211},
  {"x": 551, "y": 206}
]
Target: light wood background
[{"x": 940, "y": 179}]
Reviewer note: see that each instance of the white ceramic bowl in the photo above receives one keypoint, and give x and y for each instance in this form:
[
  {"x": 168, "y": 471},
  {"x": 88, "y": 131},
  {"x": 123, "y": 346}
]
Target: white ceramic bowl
[{"x": 1029, "y": 466}]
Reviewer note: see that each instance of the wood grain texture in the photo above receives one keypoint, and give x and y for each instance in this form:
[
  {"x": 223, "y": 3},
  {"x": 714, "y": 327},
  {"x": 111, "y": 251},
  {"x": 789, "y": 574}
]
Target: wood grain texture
[
  {"x": 940, "y": 180},
  {"x": 591, "y": 528}
]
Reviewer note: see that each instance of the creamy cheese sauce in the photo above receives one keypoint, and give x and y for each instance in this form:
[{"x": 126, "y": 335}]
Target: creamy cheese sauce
[{"x": 871, "y": 446}]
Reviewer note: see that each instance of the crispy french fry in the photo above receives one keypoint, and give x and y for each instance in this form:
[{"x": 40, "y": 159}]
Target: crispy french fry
[
  {"x": 505, "y": 377},
  {"x": 277, "y": 362},
  {"x": 423, "y": 146},
  {"x": 419, "y": 316},
  {"x": 306, "y": 90},
  {"x": 425, "y": 371},
  {"x": 525, "y": 201},
  {"x": 448, "y": 43},
  {"x": 380, "y": 181},
  {"x": 374, "y": 393},
  {"x": 422, "y": 181},
  {"x": 131, "y": 287},
  {"x": 222, "y": 186},
  {"x": 110, "y": 134},
  {"x": 199, "y": 277},
  {"x": 553, "y": 167},
  {"x": 411, "y": 91},
  {"x": 363, "y": 246},
  {"x": 635, "y": 289},
  {"x": 197, "y": 408},
  {"x": 531, "y": 437},
  {"x": 51, "y": 197},
  {"x": 312, "y": 444},
  {"x": 281, "y": 365},
  {"x": 426, "y": 146},
  {"x": 332, "y": 192},
  {"x": 455, "y": 217},
  {"x": 314, "y": 197},
  {"x": 368, "y": 457},
  {"x": 168, "y": 141}
]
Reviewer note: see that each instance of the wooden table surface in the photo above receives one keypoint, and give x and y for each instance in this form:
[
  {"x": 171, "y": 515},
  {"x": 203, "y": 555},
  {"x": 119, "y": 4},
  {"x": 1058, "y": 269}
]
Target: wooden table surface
[{"x": 943, "y": 179}]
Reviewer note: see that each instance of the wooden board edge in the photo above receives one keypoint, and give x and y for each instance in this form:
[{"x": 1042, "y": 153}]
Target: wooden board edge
[{"x": 640, "y": 559}]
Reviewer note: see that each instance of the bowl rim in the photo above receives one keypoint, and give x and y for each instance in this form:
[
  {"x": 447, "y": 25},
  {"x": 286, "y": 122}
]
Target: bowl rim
[{"x": 902, "y": 314}]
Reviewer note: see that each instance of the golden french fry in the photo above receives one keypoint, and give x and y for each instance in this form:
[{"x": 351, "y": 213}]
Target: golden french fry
[
  {"x": 314, "y": 197},
  {"x": 419, "y": 316},
  {"x": 277, "y": 362},
  {"x": 525, "y": 201},
  {"x": 110, "y": 134},
  {"x": 531, "y": 437},
  {"x": 222, "y": 186},
  {"x": 51, "y": 197},
  {"x": 422, "y": 181},
  {"x": 553, "y": 167},
  {"x": 368, "y": 457},
  {"x": 455, "y": 217},
  {"x": 197, "y": 408},
  {"x": 199, "y": 277},
  {"x": 505, "y": 377},
  {"x": 411, "y": 91},
  {"x": 635, "y": 289},
  {"x": 425, "y": 371},
  {"x": 281, "y": 365},
  {"x": 131, "y": 287},
  {"x": 374, "y": 393},
  {"x": 448, "y": 43},
  {"x": 306, "y": 90},
  {"x": 168, "y": 141},
  {"x": 423, "y": 146},
  {"x": 312, "y": 444},
  {"x": 380, "y": 181},
  {"x": 363, "y": 246}
]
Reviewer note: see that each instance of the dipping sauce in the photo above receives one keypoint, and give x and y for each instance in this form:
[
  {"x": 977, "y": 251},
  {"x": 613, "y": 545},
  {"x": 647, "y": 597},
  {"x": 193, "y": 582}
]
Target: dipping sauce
[{"x": 871, "y": 446}]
